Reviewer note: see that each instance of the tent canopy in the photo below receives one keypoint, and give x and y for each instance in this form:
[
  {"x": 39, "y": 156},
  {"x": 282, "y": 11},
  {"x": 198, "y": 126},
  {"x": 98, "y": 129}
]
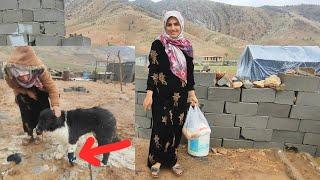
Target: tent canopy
[{"x": 258, "y": 62}]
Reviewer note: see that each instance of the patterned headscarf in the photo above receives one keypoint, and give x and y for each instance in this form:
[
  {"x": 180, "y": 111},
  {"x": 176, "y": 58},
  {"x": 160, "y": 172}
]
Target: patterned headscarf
[{"x": 175, "y": 47}]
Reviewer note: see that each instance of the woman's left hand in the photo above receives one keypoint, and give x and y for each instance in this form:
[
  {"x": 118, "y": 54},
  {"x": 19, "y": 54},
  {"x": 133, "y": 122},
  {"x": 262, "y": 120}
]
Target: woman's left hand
[
  {"x": 193, "y": 98},
  {"x": 56, "y": 111}
]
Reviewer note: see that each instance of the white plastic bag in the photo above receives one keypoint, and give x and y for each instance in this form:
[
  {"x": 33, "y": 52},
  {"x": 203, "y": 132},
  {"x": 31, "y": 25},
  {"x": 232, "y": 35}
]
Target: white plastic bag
[{"x": 196, "y": 124}]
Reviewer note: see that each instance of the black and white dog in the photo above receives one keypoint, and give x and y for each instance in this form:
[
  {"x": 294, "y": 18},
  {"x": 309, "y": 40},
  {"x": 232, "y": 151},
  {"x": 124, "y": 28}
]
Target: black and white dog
[{"x": 74, "y": 123}]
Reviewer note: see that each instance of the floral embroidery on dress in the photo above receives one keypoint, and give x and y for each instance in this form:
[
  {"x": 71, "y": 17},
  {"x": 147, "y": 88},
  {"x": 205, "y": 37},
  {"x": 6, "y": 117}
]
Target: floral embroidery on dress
[
  {"x": 173, "y": 141},
  {"x": 156, "y": 141},
  {"x": 164, "y": 119},
  {"x": 162, "y": 79},
  {"x": 181, "y": 119},
  {"x": 153, "y": 55},
  {"x": 175, "y": 97},
  {"x": 151, "y": 160},
  {"x": 166, "y": 148},
  {"x": 170, "y": 113},
  {"x": 155, "y": 78},
  {"x": 183, "y": 83}
]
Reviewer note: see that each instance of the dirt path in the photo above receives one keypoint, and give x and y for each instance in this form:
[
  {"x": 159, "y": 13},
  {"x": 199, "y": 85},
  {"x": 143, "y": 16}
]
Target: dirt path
[
  {"x": 38, "y": 161},
  {"x": 235, "y": 164}
]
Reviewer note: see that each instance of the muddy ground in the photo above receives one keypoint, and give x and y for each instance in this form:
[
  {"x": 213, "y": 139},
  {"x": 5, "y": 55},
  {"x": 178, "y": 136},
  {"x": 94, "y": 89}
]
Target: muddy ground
[
  {"x": 243, "y": 164},
  {"x": 38, "y": 161}
]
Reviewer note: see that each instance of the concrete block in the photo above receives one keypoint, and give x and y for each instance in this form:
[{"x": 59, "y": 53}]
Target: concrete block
[
  {"x": 225, "y": 120},
  {"x": 311, "y": 139},
  {"x": 259, "y": 122},
  {"x": 287, "y": 136},
  {"x": 32, "y": 28},
  {"x": 77, "y": 41},
  {"x": 283, "y": 124},
  {"x": 9, "y": 29},
  {"x": 212, "y": 106},
  {"x": 18, "y": 15},
  {"x": 205, "y": 79},
  {"x": 237, "y": 143},
  {"x": 140, "y": 85},
  {"x": 149, "y": 113},
  {"x": 284, "y": 97},
  {"x": 29, "y": 4},
  {"x": 309, "y": 126},
  {"x": 241, "y": 108},
  {"x": 47, "y": 15},
  {"x": 305, "y": 112},
  {"x": 272, "y": 109},
  {"x": 215, "y": 142},
  {"x": 17, "y": 40},
  {"x": 54, "y": 28},
  {"x": 8, "y": 4},
  {"x": 144, "y": 133},
  {"x": 308, "y": 98},
  {"x": 257, "y": 134},
  {"x": 224, "y": 94},
  {"x": 142, "y": 122},
  {"x": 258, "y": 95},
  {"x": 225, "y": 132},
  {"x": 266, "y": 145},
  {"x": 1, "y": 16},
  {"x": 140, "y": 97},
  {"x": 44, "y": 40},
  {"x": 58, "y": 4},
  {"x": 3, "y": 40},
  {"x": 300, "y": 83},
  {"x": 139, "y": 111},
  {"x": 201, "y": 92},
  {"x": 303, "y": 148}
]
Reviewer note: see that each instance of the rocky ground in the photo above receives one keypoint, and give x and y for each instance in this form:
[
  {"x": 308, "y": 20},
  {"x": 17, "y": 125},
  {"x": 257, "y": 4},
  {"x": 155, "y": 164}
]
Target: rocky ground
[
  {"x": 243, "y": 164},
  {"x": 40, "y": 162}
]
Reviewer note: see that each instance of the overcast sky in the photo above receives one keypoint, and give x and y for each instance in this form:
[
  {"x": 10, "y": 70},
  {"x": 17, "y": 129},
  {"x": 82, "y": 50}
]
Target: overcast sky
[{"x": 265, "y": 2}]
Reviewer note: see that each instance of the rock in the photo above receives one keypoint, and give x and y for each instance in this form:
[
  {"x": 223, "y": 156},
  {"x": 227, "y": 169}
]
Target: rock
[
  {"x": 247, "y": 84},
  {"x": 222, "y": 151},
  {"x": 259, "y": 84},
  {"x": 241, "y": 150},
  {"x": 237, "y": 84},
  {"x": 272, "y": 81},
  {"x": 224, "y": 82},
  {"x": 58, "y": 155},
  {"x": 214, "y": 150},
  {"x": 13, "y": 172}
]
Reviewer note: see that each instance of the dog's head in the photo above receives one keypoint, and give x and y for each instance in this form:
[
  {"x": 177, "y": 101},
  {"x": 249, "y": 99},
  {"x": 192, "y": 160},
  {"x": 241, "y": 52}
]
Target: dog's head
[{"x": 48, "y": 121}]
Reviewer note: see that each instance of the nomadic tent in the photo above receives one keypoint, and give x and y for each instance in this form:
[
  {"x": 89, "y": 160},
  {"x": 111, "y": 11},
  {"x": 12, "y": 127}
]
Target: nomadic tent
[{"x": 258, "y": 62}]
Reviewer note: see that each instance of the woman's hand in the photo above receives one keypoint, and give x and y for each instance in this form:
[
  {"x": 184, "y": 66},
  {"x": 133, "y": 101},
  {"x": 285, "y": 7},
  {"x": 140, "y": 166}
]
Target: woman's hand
[
  {"x": 56, "y": 110},
  {"x": 32, "y": 95},
  {"x": 147, "y": 102},
  {"x": 192, "y": 98}
]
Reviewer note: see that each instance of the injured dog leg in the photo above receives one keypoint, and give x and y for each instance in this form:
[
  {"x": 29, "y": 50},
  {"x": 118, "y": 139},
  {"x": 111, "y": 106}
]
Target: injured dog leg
[{"x": 71, "y": 149}]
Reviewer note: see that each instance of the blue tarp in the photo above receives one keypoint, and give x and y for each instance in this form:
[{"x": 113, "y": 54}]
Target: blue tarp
[{"x": 258, "y": 62}]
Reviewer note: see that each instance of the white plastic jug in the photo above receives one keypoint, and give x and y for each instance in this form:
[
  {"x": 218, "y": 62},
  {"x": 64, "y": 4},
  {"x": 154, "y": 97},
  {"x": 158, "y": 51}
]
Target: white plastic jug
[{"x": 197, "y": 131}]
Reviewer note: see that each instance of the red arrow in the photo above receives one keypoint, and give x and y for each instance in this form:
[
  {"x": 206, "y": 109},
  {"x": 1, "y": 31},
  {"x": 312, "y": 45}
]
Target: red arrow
[{"x": 88, "y": 153}]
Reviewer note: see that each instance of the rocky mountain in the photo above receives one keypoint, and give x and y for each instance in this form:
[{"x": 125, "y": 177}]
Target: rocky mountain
[{"x": 213, "y": 28}]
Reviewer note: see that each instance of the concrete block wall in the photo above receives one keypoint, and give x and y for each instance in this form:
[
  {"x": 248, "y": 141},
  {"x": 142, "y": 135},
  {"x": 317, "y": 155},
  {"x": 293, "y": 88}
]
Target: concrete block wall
[
  {"x": 36, "y": 23},
  {"x": 253, "y": 118}
]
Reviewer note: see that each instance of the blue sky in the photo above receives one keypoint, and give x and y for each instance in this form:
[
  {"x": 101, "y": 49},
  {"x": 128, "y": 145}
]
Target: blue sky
[{"x": 265, "y": 2}]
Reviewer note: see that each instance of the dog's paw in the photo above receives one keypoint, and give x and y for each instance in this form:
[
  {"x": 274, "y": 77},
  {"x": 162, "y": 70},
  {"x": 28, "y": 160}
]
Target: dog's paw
[
  {"x": 105, "y": 164},
  {"x": 72, "y": 158}
]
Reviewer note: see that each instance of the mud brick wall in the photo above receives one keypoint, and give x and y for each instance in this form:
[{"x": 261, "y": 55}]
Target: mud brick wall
[
  {"x": 34, "y": 22},
  {"x": 253, "y": 118}
]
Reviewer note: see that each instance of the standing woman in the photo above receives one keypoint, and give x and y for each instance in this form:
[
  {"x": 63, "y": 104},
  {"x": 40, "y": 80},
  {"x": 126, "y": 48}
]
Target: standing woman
[
  {"x": 32, "y": 86},
  {"x": 170, "y": 88}
]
